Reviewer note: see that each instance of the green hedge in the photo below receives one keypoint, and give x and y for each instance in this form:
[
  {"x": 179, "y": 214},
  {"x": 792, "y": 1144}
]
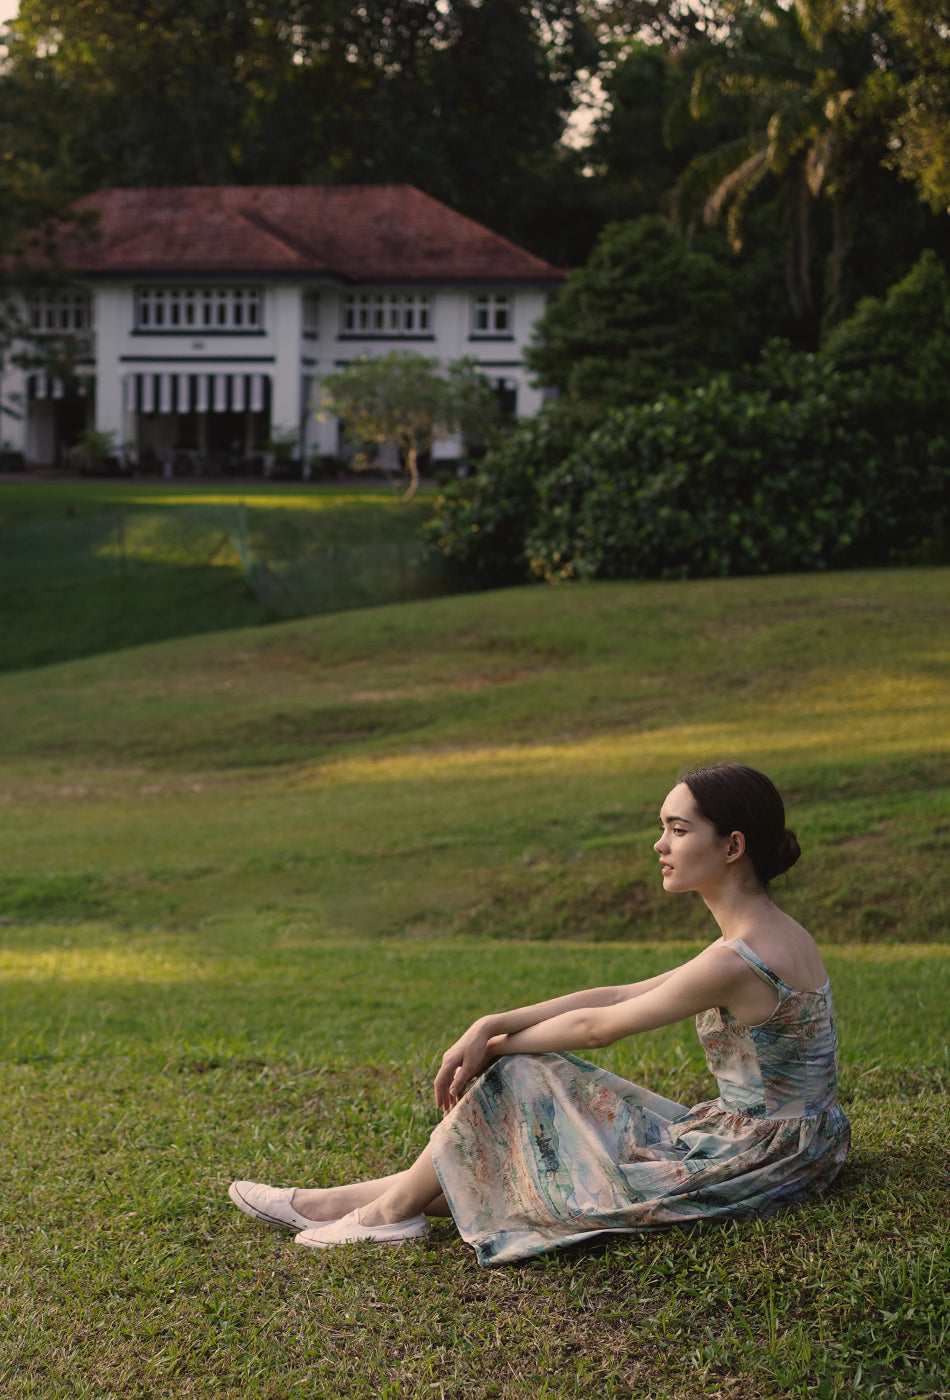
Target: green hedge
[{"x": 722, "y": 480}]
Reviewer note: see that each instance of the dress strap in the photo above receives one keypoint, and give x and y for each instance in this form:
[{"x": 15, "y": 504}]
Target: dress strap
[{"x": 756, "y": 963}]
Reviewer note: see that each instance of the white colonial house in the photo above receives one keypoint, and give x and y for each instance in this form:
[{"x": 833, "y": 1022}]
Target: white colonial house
[{"x": 206, "y": 317}]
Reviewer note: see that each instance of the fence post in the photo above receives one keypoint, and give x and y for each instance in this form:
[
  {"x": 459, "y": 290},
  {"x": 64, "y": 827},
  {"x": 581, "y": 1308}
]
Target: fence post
[{"x": 242, "y": 548}]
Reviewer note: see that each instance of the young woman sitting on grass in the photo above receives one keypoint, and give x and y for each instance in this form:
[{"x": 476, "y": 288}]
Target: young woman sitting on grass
[{"x": 539, "y": 1149}]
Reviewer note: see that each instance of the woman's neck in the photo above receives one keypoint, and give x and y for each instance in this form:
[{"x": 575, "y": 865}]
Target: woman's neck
[{"x": 738, "y": 909}]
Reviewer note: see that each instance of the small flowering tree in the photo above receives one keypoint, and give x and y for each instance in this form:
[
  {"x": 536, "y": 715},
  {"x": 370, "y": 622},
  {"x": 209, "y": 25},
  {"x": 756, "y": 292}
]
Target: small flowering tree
[{"x": 403, "y": 398}]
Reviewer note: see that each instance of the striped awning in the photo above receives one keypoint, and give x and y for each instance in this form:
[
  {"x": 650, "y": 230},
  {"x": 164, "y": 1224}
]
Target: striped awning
[{"x": 195, "y": 393}]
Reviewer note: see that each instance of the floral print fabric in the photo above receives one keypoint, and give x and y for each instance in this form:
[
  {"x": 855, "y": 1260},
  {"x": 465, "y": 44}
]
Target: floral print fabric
[{"x": 547, "y": 1150}]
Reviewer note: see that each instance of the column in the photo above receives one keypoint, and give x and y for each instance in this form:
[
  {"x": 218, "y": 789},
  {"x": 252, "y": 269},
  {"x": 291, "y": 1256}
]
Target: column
[
  {"x": 112, "y": 306},
  {"x": 286, "y": 321}
]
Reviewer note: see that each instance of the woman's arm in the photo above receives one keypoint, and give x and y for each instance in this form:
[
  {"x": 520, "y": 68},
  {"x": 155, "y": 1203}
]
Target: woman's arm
[
  {"x": 706, "y": 981},
  {"x": 507, "y": 1022},
  {"x": 473, "y": 1050}
]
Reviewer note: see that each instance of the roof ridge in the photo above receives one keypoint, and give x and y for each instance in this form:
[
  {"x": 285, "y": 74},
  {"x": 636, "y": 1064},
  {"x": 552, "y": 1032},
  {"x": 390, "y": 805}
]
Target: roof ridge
[{"x": 261, "y": 224}]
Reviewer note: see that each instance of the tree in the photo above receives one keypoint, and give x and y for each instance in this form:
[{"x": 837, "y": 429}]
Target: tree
[
  {"x": 152, "y": 92},
  {"x": 401, "y": 397},
  {"x": 645, "y": 314},
  {"x": 33, "y": 216},
  {"x": 922, "y": 130},
  {"x": 467, "y": 99},
  {"x": 630, "y": 156}
]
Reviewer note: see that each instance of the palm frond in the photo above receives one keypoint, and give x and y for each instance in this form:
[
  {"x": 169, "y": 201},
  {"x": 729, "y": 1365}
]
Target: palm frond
[
  {"x": 737, "y": 208},
  {"x": 750, "y": 169},
  {"x": 705, "y": 172},
  {"x": 818, "y": 160}
]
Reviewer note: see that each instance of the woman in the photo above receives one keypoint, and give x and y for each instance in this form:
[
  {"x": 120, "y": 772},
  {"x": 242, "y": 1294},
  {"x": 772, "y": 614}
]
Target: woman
[{"x": 544, "y": 1149}]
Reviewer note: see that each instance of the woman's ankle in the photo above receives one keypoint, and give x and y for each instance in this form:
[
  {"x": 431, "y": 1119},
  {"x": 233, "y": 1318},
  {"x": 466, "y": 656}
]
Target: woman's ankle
[{"x": 388, "y": 1209}]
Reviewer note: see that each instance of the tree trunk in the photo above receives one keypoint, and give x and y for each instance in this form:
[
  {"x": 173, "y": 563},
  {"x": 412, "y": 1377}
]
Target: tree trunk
[
  {"x": 799, "y": 251},
  {"x": 840, "y": 241},
  {"x": 412, "y": 462}
]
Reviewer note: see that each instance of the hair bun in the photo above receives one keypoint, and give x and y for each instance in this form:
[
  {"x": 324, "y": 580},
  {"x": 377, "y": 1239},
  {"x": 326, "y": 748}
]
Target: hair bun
[
  {"x": 786, "y": 853},
  {"x": 735, "y": 797}
]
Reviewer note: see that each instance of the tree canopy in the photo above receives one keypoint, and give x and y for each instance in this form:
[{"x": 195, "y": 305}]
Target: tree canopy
[
  {"x": 636, "y": 319},
  {"x": 468, "y": 100},
  {"x": 921, "y": 138},
  {"x": 799, "y": 144}
]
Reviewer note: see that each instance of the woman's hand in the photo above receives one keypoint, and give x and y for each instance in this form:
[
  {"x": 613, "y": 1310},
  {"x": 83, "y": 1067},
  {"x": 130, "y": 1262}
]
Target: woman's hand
[{"x": 463, "y": 1062}]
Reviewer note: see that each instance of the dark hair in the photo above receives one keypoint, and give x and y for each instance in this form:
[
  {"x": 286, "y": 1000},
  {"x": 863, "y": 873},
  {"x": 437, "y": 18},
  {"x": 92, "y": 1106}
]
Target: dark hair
[{"x": 736, "y": 798}]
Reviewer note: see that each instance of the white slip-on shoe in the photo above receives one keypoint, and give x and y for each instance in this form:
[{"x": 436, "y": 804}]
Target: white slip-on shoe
[
  {"x": 272, "y": 1204},
  {"x": 348, "y": 1229}
]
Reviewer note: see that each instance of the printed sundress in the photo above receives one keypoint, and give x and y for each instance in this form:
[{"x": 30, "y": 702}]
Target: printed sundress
[{"x": 546, "y": 1150}]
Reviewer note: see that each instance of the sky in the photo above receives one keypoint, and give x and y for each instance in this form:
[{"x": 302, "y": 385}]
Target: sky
[{"x": 8, "y": 9}]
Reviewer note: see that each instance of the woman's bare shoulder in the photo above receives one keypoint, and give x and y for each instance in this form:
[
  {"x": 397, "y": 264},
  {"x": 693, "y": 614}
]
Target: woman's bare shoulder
[{"x": 789, "y": 950}]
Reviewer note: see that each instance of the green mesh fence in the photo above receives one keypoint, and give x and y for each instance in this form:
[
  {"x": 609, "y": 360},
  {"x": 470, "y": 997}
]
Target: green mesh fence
[
  {"x": 329, "y": 576},
  {"x": 94, "y": 581}
]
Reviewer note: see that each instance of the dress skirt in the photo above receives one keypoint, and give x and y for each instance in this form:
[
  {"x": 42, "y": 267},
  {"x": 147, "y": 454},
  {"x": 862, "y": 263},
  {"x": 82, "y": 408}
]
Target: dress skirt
[{"x": 546, "y": 1150}]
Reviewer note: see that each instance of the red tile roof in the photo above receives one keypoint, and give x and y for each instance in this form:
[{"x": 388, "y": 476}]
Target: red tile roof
[{"x": 359, "y": 233}]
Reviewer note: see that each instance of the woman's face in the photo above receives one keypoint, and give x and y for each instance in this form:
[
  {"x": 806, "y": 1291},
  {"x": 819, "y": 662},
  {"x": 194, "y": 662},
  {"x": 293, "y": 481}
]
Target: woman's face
[{"x": 693, "y": 855}]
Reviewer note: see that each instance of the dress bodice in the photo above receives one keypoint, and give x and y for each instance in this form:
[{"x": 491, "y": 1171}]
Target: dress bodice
[{"x": 784, "y": 1067}]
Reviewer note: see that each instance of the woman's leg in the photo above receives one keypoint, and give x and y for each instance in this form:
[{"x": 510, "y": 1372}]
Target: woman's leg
[
  {"x": 329, "y": 1203},
  {"x": 412, "y": 1192}
]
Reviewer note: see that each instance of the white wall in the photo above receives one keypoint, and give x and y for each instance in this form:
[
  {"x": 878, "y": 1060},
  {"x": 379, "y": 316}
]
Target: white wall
[
  {"x": 112, "y": 318},
  {"x": 283, "y": 319}
]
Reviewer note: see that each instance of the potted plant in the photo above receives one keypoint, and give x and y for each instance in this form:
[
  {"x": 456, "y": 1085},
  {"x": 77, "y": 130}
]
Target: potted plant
[{"x": 95, "y": 452}]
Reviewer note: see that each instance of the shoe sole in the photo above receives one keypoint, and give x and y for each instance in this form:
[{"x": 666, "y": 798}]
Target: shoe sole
[{"x": 364, "y": 1239}]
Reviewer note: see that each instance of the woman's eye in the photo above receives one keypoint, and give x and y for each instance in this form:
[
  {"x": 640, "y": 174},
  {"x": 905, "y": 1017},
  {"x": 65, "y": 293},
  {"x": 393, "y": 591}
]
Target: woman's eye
[{"x": 678, "y": 831}]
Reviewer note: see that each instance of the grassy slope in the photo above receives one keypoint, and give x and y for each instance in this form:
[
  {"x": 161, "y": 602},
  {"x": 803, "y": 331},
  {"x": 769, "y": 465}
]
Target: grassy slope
[
  {"x": 494, "y": 762},
  {"x": 255, "y": 880}
]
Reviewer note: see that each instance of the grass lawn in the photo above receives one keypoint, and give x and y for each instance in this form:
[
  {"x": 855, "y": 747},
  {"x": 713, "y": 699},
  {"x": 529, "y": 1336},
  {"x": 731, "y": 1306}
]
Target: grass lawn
[{"x": 252, "y": 882}]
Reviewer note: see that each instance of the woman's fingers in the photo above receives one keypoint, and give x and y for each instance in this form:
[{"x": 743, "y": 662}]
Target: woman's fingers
[
  {"x": 460, "y": 1064},
  {"x": 445, "y": 1083}
]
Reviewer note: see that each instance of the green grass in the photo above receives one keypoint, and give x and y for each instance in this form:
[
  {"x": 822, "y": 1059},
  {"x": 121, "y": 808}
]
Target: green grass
[{"x": 251, "y": 883}]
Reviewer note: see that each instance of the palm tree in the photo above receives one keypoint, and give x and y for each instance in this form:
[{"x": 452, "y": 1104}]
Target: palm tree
[{"x": 800, "y": 84}]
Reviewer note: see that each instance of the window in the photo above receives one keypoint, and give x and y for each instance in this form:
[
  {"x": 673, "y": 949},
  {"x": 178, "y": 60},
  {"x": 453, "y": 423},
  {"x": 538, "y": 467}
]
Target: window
[
  {"x": 491, "y": 314},
  {"x": 387, "y": 313},
  {"x": 311, "y": 313},
  {"x": 61, "y": 311},
  {"x": 232, "y": 309}
]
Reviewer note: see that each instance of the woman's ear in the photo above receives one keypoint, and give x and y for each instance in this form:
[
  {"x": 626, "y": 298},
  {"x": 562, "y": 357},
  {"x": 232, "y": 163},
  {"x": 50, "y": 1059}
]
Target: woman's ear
[{"x": 736, "y": 846}]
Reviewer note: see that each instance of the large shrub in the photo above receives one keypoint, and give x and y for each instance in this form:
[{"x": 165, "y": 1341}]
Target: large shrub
[
  {"x": 904, "y": 332},
  {"x": 898, "y": 346},
  {"x": 721, "y": 480}
]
